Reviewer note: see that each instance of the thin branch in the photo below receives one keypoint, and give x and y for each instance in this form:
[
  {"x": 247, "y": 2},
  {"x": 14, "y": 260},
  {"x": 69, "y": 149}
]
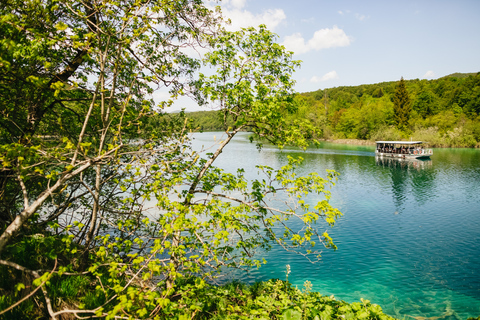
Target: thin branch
[
  {"x": 19, "y": 267},
  {"x": 207, "y": 165},
  {"x": 24, "y": 191},
  {"x": 31, "y": 209}
]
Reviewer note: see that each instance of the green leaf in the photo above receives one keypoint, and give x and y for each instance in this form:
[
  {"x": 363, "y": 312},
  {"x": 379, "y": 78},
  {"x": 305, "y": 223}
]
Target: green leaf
[
  {"x": 19, "y": 286},
  {"x": 61, "y": 26},
  {"x": 291, "y": 314}
]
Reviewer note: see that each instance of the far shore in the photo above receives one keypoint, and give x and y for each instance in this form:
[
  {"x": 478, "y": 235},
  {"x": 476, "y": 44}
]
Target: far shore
[
  {"x": 351, "y": 141},
  {"x": 359, "y": 142}
]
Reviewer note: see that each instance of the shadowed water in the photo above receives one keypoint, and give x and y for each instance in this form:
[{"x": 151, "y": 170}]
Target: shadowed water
[{"x": 409, "y": 239}]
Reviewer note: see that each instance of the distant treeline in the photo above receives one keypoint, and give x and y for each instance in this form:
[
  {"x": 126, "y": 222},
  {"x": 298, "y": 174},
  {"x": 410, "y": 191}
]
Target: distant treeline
[
  {"x": 207, "y": 120},
  {"x": 445, "y": 112}
]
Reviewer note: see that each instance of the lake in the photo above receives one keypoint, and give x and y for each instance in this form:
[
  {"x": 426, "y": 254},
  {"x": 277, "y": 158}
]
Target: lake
[{"x": 409, "y": 239}]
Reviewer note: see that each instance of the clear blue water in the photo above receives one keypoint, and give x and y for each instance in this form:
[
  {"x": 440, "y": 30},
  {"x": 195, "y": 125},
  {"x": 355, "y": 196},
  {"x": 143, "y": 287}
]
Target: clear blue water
[{"x": 409, "y": 239}]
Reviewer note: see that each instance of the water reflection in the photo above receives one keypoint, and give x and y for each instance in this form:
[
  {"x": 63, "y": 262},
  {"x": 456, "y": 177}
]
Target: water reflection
[
  {"x": 409, "y": 176},
  {"x": 408, "y": 164}
]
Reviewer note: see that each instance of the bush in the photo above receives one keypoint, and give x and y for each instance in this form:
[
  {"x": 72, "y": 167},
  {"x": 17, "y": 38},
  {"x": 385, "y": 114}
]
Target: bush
[
  {"x": 272, "y": 299},
  {"x": 459, "y": 138},
  {"x": 430, "y": 135},
  {"x": 387, "y": 133}
]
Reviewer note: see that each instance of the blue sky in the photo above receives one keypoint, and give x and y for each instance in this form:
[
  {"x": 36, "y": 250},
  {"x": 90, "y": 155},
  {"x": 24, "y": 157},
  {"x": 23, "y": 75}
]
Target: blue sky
[{"x": 353, "y": 42}]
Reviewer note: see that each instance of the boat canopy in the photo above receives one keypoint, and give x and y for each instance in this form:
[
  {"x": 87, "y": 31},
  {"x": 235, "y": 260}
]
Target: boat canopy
[{"x": 399, "y": 142}]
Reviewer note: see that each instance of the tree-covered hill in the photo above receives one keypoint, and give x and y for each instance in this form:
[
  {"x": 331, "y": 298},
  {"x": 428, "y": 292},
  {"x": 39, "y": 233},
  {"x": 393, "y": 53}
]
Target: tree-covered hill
[
  {"x": 206, "y": 120},
  {"x": 459, "y": 75},
  {"x": 444, "y": 112},
  {"x": 429, "y": 97}
]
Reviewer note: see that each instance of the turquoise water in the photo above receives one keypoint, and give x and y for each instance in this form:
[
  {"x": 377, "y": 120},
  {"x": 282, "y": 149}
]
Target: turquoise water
[{"x": 409, "y": 239}]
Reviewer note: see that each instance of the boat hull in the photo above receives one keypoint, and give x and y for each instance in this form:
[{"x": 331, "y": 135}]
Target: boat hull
[{"x": 403, "y": 155}]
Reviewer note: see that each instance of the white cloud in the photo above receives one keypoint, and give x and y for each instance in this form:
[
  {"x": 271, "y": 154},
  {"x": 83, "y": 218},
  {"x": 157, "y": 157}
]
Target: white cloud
[
  {"x": 195, "y": 51},
  {"x": 322, "y": 39},
  {"x": 361, "y": 17},
  {"x": 329, "y": 38},
  {"x": 328, "y": 76},
  {"x": 161, "y": 95},
  {"x": 309, "y": 20},
  {"x": 296, "y": 43},
  {"x": 241, "y": 18},
  {"x": 358, "y": 16},
  {"x": 429, "y": 75},
  {"x": 237, "y": 4}
]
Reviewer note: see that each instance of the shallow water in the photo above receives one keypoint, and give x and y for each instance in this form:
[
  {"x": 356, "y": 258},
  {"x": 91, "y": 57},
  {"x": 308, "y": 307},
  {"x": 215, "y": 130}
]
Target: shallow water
[{"x": 409, "y": 239}]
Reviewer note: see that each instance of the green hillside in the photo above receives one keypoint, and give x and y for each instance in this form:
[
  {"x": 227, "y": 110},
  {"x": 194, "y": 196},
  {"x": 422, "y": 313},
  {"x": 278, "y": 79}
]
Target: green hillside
[
  {"x": 445, "y": 112},
  {"x": 459, "y": 75},
  {"x": 206, "y": 120}
]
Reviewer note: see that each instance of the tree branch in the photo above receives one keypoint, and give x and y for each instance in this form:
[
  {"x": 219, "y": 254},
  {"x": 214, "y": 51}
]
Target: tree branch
[
  {"x": 207, "y": 165},
  {"x": 31, "y": 209},
  {"x": 19, "y": 267}
]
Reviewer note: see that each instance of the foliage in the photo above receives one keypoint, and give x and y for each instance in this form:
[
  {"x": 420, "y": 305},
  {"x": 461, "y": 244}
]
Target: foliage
[
  {"x": 196, "y": 299},
  {"x": 401, "y": 105},
  {"x": 208, "y": 120},
  {"x": 389, "y": 133},
  {"x": 447, "y": 106},
  {"x": 273, "y": 299},
  {"x": 105, "y": 210},
  {"x": 252, "y": 84},
  {"x": 425, "y": 104}
]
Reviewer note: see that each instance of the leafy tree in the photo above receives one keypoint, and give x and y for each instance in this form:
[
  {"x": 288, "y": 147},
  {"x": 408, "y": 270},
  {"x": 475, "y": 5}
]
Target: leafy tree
[
  {"x": 425, "y": 104},
  {"x": 378, "y": 93},
  {"x": 74, "y": 87},
  {"x": 402, "y": 106},
  {"x": 469, "y": 97},
  {"x": 253, "y": 85},
  {"x": 84, "y": 153}
]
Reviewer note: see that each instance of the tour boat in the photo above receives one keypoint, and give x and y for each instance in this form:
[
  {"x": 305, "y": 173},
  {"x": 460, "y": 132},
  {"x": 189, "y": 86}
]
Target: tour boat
[{"x": 402, "y": 150}]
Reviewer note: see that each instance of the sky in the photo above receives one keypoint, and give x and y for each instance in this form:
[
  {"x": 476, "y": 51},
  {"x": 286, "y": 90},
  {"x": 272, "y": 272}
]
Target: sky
[{"x": 353, "y": 42}]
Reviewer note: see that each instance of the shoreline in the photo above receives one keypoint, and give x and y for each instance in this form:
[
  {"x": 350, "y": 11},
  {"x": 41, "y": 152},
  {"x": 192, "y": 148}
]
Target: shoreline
[
  {"x": 357, "y": 142},
  {"x": 360, "y": 142}
]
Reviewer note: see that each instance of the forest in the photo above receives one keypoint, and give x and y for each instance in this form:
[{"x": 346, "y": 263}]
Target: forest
[{"x": 444, "y": 112}]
